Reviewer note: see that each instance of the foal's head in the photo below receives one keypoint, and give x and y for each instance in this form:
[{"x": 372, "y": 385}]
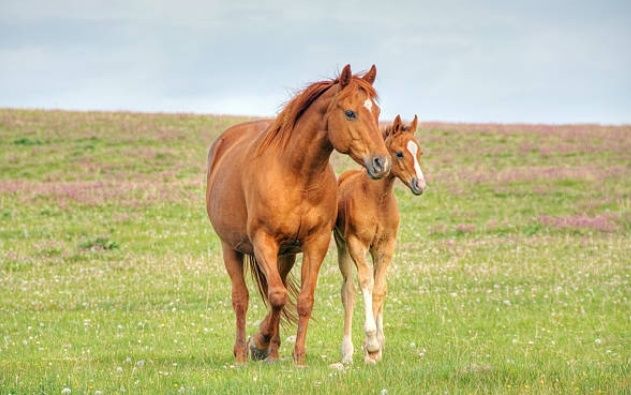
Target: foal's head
[
  {"x": 352, "y": 119},
  {"x": 405, "y": 152}
]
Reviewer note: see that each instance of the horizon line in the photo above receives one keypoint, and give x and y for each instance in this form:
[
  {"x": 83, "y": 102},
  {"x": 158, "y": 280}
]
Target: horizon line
[{"x": 268, "y": 116}]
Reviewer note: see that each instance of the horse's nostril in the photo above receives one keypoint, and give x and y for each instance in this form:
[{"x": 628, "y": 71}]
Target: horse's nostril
[{"x": 378, "y": 163}]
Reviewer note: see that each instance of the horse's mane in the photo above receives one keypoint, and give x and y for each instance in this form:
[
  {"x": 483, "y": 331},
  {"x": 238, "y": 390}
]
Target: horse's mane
[{"x": 285, "y": 122}]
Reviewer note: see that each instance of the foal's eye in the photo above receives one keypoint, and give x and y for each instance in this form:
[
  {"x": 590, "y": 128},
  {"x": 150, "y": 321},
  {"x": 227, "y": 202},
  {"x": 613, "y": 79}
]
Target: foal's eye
[
  {"x": 399, "y": 154},
  {"x": 350, "y": 114}
]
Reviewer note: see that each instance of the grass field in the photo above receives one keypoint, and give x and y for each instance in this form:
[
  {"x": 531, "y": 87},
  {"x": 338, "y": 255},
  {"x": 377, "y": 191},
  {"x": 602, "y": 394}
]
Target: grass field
[{"x": 512, "y": 274}]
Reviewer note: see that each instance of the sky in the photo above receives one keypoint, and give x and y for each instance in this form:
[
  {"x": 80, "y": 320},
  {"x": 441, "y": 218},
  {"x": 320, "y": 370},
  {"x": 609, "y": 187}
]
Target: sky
[{"x": 459, "y": 61}]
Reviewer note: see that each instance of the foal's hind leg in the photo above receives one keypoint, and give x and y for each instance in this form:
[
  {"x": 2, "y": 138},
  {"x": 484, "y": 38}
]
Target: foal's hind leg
[
  {"x": 358, "y": 251},
  {"x": 233, "y": 261},
  {"x": 348, "y": 298}
]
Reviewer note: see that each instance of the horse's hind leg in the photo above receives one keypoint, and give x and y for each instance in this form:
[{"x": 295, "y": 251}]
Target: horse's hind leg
[
  {"x": 233, "y": 261},
  {"x": 348, "y": 298}
]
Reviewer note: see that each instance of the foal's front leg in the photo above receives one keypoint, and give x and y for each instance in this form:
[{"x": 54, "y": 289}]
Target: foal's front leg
[
  {"x": 382, "y": 258},
  {"x": 364, "y": 272}
]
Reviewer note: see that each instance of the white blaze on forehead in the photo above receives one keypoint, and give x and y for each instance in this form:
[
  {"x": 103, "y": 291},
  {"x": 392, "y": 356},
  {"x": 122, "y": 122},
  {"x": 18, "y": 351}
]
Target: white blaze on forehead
[
  {"x": 413, "y": 148},
  {"x": 368, "y": 104}
]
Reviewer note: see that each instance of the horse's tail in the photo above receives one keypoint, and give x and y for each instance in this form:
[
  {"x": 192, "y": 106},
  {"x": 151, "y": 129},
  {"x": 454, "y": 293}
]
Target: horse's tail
[{"x": 289, "y": 311}]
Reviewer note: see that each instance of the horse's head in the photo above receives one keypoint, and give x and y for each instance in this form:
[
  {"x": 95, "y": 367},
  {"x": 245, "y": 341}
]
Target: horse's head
[
  {"x": 352, "y": 119},
  {"x": 405, "y": 152}
]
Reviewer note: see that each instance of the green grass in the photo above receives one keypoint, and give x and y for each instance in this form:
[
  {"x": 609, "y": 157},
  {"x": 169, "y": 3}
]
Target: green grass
[{"x": 512, "y": 273}]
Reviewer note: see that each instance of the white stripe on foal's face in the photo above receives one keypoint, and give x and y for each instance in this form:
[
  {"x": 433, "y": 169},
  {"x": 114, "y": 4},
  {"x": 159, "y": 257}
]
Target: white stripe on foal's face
[{"x": 413, "y": 148}]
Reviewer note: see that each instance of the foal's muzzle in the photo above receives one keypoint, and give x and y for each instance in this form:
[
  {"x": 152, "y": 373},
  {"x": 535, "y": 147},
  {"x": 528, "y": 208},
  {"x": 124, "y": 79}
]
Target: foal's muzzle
[
  {"x": 417, "y": 186},
  {"x": 377, "y": 166}
]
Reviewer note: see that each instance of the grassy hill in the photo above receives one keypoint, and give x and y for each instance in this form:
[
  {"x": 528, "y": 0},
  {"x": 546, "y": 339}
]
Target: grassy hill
[{"x": 512, "y": 274}]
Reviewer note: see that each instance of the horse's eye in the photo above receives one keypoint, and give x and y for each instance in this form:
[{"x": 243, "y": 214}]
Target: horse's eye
[
  {"x": 350, "y": 114},
  {"x": 399, "y": 154}
]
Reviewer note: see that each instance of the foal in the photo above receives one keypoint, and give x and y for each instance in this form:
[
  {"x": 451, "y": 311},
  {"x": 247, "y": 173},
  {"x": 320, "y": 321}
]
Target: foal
[{"x": 367, "y": 221}]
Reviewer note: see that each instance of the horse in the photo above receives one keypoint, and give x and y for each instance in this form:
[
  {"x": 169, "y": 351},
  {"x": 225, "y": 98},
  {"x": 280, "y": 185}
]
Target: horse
[
  {"x": 368, "y": 221},
  {"x": 271, "y": 194}
]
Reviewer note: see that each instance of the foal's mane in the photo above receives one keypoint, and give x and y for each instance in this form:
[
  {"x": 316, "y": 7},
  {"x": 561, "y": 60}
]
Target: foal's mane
[
  {"x": 285, "y": 122},
  {"x": 388, "y": 130}
]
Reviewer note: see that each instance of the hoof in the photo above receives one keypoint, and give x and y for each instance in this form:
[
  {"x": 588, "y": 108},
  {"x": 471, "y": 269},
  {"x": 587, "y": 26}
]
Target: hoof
[
  {"x": 372, "y": 344},
  {"x": 255, "y": 353},
  {"x": 347, "y": 351},
  {"x": 240, "y": 355},
  {"x": 376, "y": 356},
  {"x": 369, "y": 360},
  {"x": 299, "y": 361},
  {"x": 270, "y": 360},
  {"x": 241, "y": 359}
]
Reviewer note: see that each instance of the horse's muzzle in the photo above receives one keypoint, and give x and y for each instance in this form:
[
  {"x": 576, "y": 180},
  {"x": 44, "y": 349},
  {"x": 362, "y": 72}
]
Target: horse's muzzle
[{"x": 377, "y": 166}]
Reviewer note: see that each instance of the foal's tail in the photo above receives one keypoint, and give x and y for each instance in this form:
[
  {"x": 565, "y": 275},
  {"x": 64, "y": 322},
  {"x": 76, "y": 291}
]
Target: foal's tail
[{"x": 289, "y": 311}]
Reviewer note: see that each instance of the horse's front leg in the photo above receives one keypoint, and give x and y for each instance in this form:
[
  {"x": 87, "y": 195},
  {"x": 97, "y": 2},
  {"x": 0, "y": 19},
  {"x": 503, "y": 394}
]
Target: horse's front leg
[
  {"x": 314, "y": 251},
  {"x": 285, "y": 264},
  {"x": 266, "y": 253},
  {"x": 358, "y": 250}
]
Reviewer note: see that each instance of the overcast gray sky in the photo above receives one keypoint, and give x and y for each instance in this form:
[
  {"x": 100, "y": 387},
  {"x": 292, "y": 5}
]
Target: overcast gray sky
[{"x": 501, "y": 61}]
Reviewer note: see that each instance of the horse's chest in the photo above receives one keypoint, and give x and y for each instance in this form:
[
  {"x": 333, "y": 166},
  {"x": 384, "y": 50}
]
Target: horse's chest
[
  {"x": 294, "y": 216},
  {"x": 309, "y": 216}
]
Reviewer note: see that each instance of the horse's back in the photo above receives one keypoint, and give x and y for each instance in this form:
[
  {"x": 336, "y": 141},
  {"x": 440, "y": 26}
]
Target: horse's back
[{"x": 235, "y": 136}]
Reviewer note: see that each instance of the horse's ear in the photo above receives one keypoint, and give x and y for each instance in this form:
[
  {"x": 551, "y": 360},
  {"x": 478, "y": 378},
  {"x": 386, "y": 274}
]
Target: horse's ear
[
  {"x": 371, "y": 75},
  {"x": 414, "y": 124},
  {"x": 346, "y": 75}
]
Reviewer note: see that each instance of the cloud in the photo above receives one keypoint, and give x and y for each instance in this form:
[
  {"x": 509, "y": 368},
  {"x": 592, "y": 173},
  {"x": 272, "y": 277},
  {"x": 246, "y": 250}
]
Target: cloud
[{"x": 492, "y": 61}]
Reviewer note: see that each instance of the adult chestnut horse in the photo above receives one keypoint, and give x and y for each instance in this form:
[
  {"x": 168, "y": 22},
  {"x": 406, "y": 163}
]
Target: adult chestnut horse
[
  {"x": 271, "y": 193},
  {"x": 368, "y": 221}
]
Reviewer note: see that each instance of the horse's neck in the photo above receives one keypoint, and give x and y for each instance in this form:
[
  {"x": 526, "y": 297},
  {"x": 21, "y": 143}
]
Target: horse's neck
[{"x": 308, "y": 149}]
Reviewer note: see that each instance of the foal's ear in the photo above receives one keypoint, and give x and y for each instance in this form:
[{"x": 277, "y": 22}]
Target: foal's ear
[
  {"x": 414, "y": 124},
  {"x": 397, "y": 124},
  {"x": 371, "y": 75},
  {"x": 346, "y": 75}
]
